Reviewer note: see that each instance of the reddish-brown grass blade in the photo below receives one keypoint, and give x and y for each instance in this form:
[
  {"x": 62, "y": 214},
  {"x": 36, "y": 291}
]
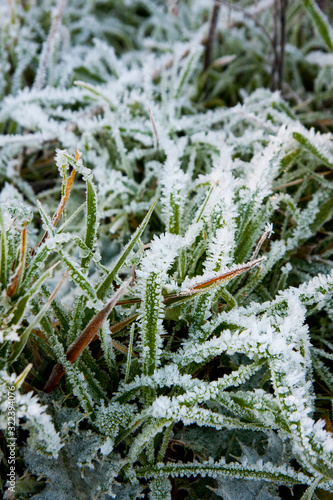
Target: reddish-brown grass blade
[
  {"x": 222, "y": 277},
  {"x": 228, "y": 275},
  {"x": 84, "y": 339},
  {"x": 60, "y": 209}
]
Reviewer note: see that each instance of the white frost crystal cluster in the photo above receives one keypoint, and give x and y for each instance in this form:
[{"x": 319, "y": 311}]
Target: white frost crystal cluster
[{"x": 190, "y": 237}]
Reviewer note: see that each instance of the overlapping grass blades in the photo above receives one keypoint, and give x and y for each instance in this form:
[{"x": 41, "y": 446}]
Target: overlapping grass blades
[{"x": 212, "y": 196}]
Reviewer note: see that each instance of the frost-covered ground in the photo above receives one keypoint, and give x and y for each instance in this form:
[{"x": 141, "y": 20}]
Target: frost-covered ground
[{"x": 166, "y": 249}]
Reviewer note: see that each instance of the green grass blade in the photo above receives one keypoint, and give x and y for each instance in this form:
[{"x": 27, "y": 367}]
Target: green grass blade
[
  {"x": 3, "y": 253},
  {"x": 96, "y": 92},
  {"x": 273, "y": 473},
  {"x": 321, "y": 22},
  {"x": 91, "y": 222},
  {"x": 104, "y": 287},
  {"x": 77, "y": 276},
  {"x": 19, "y": 346},
  {"x": 21, "y": 306},
  {"x": 46, "y": 219},
  {"x": 312, "y": 148}
]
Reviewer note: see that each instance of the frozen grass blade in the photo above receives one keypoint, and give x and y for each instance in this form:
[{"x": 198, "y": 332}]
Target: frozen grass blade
[
  {"x": 151, "y": 323},
  {"x": 3, "y": 252},
  {"x": 77, "y": 275},
  {"x": 16, "y": 279},
  {"x": 104, "y": 287},
  {"x": 51, "y": 225},
  {"x": 256, "y": 472},
  {"x": 93, "y": 90},
  {"x": 312, "y": 148},
  {"x": 19, "y": 346},
  {"x": 219, "y": 279},
  {"x": 91, "y": 222},
  {"x": 129, "y": 354},
  {"x": 321, "y": 23},
  {"x": 155, "y": 133}
]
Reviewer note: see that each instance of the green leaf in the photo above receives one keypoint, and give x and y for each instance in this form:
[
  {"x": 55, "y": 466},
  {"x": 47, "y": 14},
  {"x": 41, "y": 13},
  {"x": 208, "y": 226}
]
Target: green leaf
[
  {"x": 142, "y": 440},
  {"x": 104, "y": 287},
  {"x": 70, "y": 219},
  {"x": 21, "y": 306},
  {"x": 91, "y": 222},
  {"x": 46, "y": 219},
  {"x": 174, "y": 216},
  {"x": 312, "y": 148},
  {"x": 19, "y": 346},
  {"x": 3, "y": 253},
  {"x": 93, "y": 90},
  {"x": 258, "y": 472},
  {"x": 77, "y": 276},
  {"x": 107, "y": 346},
  {"x": 35, "y": 265},
  {"x": 250, "y": 234},
  {"x": 151, "y": 326},
  {"x": 321, "y": 22},
  {"x": 324, "y": 214},
  {"x": 308, "y": 495},
  {"x": 129, "y": 354},
  {"x": 186, "y": 72}
]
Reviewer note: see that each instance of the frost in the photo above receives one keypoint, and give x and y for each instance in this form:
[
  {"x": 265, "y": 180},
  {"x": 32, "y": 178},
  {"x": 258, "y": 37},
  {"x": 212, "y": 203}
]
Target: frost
[
  {"x": 9, "y": 194},
  {"x": 42, "y": 435},
  {"x": 161, "y": 407},
  {"x": 61, "y": 160},
  {"x": 225, "y": 323},
  {"x": 320, "y": 58}
]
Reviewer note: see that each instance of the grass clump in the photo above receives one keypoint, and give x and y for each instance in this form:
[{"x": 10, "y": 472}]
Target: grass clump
[{"x": 166, "y": 249}]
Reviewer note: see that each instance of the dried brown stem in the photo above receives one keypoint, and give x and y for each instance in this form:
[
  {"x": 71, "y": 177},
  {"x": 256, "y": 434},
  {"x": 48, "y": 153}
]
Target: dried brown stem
[
  {"x": 228, "y": 275},
  {"x": 275, "y": 46},
  {"x": 211, "y": 34},
  {"x": 283, "y": 8},
  {"x": 279, "y": 43},
  {"x": 251, "y": 13},
  {"x": 299, "y": 181},
  {"x": 222, "y": 277}
]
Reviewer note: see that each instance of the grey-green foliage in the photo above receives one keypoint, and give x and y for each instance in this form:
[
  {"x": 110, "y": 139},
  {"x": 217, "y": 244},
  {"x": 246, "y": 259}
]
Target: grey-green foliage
[{"x": 222, "y": 215}]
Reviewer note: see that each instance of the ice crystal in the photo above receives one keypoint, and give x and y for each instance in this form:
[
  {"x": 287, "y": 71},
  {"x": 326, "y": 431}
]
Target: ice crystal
[{"x": 135, "y": 154}]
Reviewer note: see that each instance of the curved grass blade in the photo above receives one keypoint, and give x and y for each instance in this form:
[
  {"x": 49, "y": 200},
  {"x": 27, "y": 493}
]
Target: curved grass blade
[
  {"x": 19, "y": 346},
  {"x": 321, "y": 22}
]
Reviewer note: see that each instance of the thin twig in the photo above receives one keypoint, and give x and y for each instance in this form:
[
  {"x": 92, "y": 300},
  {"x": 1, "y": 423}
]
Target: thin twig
[
  {"x": 299, "y": 181},
  {"x": 211, "y": 34},
  {"x": 267, "y": 234},
  {"x": 279, "y": 39},
  {"x": 275, "y": 46},
  {"x": 249, "y": 13},
  {"x": 283, "y": 8}
]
